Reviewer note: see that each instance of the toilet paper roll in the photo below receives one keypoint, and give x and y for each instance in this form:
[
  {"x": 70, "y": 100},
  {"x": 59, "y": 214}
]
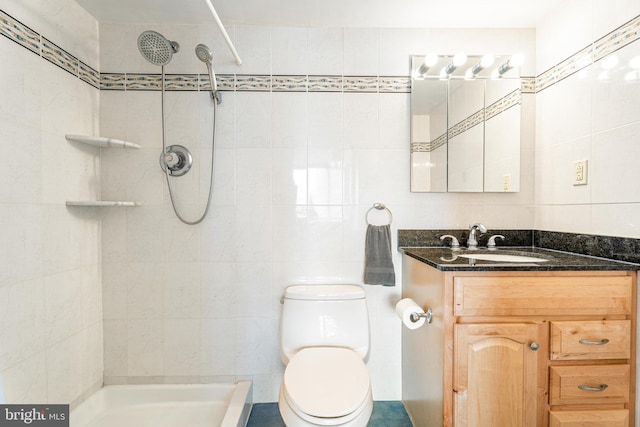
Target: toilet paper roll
[{"x": 404, "y": 308}]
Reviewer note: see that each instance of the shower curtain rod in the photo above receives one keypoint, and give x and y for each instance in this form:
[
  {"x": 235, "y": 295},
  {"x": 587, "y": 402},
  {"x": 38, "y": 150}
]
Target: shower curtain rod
[{"x": 224, "y": 33}]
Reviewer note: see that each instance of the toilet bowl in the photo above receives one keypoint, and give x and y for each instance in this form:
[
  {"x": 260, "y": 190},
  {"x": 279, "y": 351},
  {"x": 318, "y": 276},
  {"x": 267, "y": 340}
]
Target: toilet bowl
[
  {"x": 326, "y": 386},
  {"x": 324, "y": 343}
]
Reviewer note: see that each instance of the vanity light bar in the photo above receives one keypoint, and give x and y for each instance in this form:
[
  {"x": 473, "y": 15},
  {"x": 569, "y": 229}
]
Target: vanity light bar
[{"x": 422, "y": 66}]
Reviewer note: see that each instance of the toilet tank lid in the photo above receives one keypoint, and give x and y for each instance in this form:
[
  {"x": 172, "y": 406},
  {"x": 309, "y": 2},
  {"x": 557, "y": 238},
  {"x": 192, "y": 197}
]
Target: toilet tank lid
[{"x": 324, "y": 292}]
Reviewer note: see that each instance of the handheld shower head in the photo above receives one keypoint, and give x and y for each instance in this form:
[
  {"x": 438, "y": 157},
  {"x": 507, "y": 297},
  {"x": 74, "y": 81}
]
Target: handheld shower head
[
  {"x": 204, "y": 54},
  {"x": 155, "y": 48}
]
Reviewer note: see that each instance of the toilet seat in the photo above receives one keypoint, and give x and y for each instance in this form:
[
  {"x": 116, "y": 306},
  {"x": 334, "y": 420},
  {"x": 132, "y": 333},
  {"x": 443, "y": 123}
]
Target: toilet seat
[{"x": 326, "y": 383}]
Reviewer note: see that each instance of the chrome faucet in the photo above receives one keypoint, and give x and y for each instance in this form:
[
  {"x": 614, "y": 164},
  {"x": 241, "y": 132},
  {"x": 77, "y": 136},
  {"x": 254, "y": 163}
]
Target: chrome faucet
[{"x": 472, "y": 241}]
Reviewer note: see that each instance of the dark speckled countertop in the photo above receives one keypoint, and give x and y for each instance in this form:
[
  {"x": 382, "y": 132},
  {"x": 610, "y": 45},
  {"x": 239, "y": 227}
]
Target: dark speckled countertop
[
  {"x": 563, "y": 251},
  {"x": 445, "y": 259}
]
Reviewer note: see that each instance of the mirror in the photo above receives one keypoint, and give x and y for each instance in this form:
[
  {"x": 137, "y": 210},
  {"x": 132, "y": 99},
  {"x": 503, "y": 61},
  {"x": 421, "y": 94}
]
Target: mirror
[{"x": 465, "y": 124}]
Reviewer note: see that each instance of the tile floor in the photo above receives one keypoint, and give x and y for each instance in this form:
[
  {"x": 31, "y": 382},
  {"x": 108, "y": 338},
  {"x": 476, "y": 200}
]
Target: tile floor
[{"x": 385, "y": 414}]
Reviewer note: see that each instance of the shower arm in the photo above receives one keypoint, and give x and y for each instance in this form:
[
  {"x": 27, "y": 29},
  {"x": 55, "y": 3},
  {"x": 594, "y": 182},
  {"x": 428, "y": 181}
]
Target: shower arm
[{"x": 223, "y": 31}]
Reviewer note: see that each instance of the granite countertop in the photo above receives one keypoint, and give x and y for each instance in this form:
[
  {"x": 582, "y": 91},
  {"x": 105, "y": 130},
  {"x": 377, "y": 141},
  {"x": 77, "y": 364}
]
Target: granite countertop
[{"x": 445, "y": 259}]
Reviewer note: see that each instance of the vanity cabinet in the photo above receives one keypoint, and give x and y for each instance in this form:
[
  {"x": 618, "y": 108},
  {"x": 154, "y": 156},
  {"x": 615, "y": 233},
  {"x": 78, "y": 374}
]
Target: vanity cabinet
[
  {"x": 495, "y": 373},
  {"x": 520, "y": 348}
]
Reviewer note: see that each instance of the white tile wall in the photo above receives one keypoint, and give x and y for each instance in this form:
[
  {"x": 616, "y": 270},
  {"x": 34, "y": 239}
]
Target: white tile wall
[
  {"x": 592, "y": 114},
  {"x": 295, "y": 174},
  {"x": 50, "y": 274}
]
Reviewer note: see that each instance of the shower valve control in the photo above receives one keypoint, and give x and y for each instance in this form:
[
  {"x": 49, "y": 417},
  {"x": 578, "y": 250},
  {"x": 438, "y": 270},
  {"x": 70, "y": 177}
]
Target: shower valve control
[
  {"x": 176, "y": 160},
  {"x": 172, "y": 160}
]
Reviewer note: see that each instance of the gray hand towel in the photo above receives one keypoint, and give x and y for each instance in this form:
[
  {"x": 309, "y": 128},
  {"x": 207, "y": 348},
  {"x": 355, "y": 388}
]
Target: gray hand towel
[{"x": 378, "y": 263}]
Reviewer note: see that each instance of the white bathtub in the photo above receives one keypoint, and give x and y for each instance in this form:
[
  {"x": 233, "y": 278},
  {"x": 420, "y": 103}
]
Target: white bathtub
[{"x": 193, "y": 405}]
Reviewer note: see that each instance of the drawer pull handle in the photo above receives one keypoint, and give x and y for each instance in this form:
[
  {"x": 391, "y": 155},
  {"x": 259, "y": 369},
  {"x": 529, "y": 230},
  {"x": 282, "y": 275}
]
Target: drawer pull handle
[
  {"x": 584, "y": 387},
  {"x": 590, "y": 342}
]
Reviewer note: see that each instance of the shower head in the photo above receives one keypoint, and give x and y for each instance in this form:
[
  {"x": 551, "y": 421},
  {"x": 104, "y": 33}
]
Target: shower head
[
  {"x": 204, "y": 53},
  {"x": 155, "y": 48}
]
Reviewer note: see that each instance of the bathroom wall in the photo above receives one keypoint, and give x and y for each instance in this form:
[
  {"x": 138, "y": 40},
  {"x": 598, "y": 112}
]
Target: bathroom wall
[
  {"x": 589, "y": 110},
  {"x": 295, "y": 173},
  {"x": 296, "y": 170},
  {"x": 50, "y": 263}
]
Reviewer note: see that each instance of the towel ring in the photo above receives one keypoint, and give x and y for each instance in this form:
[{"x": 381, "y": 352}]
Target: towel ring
[{"x": 378, "y": 206}]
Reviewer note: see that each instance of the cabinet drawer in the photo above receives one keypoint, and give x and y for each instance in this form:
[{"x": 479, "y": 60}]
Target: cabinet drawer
[
  {"x": 589, "y": 384},
  {"x": 600, "y": 418},
  {"x": 605, "y": 339},
  {"x": 542, "y": 295}
]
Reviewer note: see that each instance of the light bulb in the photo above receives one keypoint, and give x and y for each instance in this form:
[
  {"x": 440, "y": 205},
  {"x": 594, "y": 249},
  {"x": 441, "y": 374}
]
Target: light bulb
[
  {"x": 487, "y": 60},
  {"x": 459, "y": 59},
  {"x": 516, "y": 60},
  {"x": 431, "y": 59}
]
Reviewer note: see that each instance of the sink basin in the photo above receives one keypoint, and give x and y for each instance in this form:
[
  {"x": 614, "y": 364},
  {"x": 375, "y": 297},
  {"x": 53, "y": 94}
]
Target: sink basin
[{"x": 502, "y": 258}]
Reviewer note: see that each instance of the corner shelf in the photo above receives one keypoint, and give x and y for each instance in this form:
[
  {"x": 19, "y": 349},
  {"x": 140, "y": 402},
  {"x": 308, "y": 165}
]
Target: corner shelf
[
  {"x": 103, "y": 203},
  {"x": 102, "y": 142}
]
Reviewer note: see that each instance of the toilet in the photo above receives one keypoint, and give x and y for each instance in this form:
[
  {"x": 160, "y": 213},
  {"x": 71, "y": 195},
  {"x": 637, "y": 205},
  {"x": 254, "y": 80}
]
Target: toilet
[{"x": 324, "y": 342}]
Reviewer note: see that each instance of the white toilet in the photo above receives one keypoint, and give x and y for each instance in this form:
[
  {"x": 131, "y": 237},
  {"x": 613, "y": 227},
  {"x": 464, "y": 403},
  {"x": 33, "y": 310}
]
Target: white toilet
[{"x": 324, "y": 340}]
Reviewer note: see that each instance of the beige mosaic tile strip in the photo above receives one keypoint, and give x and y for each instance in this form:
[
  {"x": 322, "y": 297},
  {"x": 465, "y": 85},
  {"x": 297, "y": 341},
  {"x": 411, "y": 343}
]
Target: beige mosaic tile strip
[
  {"x": 89, "y": 75},
  {"x": 289, "y": 83},
  {"x": 360, "y": 84},
  {"x": 58, "y": 56},
  {"x": 19, "y": 33},
  {"x": 325, "y": 84}
]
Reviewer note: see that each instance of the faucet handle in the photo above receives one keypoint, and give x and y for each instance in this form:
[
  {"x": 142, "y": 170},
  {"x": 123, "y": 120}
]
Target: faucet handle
[
  {"x": 454, "y": 241},
  {"x": 492, "y": 240}
]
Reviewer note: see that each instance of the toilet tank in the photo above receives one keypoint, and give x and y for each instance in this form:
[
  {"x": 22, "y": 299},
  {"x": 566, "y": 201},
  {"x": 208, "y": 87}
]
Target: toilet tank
[{"x": 324, "y": 316}]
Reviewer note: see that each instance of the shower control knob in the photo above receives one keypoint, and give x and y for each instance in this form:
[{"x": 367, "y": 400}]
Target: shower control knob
[
  {"x": 171, "y": 160},
  {"x": 176, "y": 160}
]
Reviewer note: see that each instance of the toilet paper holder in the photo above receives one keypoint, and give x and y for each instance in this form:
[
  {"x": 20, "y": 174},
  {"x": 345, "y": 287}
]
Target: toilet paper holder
[{"x": 428, "y": 315}]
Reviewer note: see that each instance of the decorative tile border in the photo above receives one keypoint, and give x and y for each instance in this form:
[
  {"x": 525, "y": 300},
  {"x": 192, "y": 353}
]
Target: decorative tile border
[
  {"x": 112, "y": 81},
  {"x": 181, "y": 82},
  {"x": 88, "y": 75},
  {"x": 545, "y": 79},
  {"x": 225, "y": 82},
  {"x": 58, "y": 56},
  {"x": 143, "y": 82},
  {"x": 324, "y": 84},
  {"x": 289, "y": 83},
  {"x": 615, "y": 40},
  {"x": 528, "y": 85},
  {"x": 16, "y": 31},
  {"x": 500, "y": 106},
  {"x": 573, "y": 64},
  {"x": 394, "y": 85},
  {"x": 359, "y": 84},
  {"x": 19, "y": 33},
  {"x": 26, "y": 37},
  {"x": 253, "y": 83}
]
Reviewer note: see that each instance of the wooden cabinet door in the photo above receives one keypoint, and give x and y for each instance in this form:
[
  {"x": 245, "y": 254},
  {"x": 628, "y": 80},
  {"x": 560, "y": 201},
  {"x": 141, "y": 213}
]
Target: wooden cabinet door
[{"x": 498, "y": 376}]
